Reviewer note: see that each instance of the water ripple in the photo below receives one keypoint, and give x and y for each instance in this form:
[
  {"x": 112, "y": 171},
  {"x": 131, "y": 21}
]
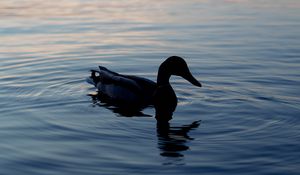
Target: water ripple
[{"x": 245, "y": 53}]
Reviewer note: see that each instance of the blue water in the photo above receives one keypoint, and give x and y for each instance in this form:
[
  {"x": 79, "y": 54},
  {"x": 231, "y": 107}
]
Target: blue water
[{"x": 245, "y": 53}]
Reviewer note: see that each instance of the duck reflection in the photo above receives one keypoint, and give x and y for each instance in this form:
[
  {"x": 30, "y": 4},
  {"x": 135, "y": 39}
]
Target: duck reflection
[
  {"x": 172, "y": 140},
  {"x": 101, "y": 100}
]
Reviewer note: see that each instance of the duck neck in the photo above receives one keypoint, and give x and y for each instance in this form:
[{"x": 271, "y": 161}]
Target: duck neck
[{"x": 163, "y": 76}]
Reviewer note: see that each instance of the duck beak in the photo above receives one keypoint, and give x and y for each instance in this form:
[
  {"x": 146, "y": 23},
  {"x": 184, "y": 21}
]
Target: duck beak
[{"x": 189, "y": 77}]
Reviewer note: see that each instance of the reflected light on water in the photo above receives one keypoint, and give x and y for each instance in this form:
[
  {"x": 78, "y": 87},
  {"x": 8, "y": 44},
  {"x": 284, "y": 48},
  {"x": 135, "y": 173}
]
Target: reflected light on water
[{"x": 246, "y": 53}]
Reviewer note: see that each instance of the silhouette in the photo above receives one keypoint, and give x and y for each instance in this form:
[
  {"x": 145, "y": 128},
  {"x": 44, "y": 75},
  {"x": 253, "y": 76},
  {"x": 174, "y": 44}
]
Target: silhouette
[
  {"x": 134, "y": 93},
  {"x": 172, "y": 140}
]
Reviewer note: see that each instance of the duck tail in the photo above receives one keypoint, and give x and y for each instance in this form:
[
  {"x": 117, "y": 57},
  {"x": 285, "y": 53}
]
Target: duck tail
[{"x": 94, "y": 78}]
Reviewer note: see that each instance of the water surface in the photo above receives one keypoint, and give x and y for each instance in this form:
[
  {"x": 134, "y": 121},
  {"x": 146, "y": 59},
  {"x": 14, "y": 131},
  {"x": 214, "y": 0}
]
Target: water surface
[{"x": 245, "y": 53}]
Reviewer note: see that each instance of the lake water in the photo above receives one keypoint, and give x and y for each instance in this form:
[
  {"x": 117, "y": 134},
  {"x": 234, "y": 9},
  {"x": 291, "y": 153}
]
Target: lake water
[{"x": 245, "y": 53}]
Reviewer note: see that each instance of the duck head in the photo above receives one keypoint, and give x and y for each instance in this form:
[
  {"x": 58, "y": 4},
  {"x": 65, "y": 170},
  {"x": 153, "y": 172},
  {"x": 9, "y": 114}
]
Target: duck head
[
  {"x": 165, "y": 100},
  {"x": 175, "y": 65}
]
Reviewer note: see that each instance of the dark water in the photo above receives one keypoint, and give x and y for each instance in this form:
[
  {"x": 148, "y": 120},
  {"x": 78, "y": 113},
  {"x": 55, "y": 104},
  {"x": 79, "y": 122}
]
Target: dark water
[{"x": 246, "y": 54}]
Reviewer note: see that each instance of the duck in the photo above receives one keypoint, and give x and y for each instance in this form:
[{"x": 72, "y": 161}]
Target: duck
[{"x": 134, "y": 92}]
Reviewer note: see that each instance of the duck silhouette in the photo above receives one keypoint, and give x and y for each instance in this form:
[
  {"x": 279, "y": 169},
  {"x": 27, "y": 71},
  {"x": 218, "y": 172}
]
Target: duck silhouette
[{"x": 135, "y": 93}]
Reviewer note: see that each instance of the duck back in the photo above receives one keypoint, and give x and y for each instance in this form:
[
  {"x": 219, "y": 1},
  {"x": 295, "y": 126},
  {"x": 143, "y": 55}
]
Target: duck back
[{"x": 125, "y": 90}]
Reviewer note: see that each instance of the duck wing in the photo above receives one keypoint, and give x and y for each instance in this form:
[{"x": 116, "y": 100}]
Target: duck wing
[
  {"x": 109, "y": 77},
  {"x": 123, "y": 89}
]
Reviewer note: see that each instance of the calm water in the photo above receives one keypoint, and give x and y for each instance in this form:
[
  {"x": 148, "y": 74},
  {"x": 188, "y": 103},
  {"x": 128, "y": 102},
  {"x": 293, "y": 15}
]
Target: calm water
[{"x": 246, "y": 54}]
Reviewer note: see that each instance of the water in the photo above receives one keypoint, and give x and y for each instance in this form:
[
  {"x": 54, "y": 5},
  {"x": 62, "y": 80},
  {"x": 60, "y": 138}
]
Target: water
[{"x": 245, "y": 53}]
